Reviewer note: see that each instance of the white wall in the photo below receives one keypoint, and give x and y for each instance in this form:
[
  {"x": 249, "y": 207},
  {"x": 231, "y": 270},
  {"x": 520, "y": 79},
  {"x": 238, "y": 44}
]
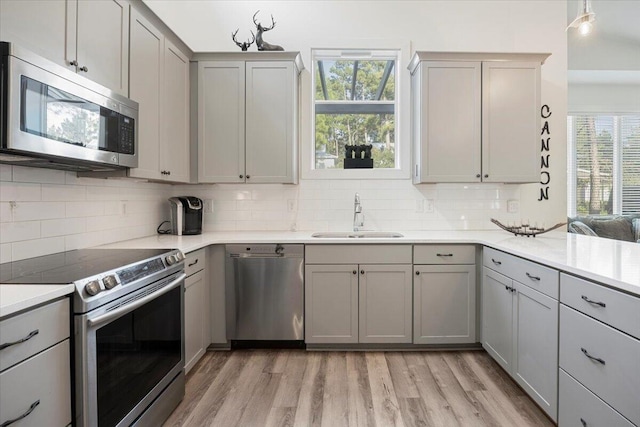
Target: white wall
[
  {"x": 489, "y": 26},
  {"x": 604, "y": 98},
  {"x": 45, "y": 211}
]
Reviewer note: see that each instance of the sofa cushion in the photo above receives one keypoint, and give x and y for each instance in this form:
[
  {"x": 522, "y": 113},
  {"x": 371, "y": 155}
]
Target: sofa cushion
[
  {"x": 580, "y": 227},
  {"x": 616, "y": 228}
]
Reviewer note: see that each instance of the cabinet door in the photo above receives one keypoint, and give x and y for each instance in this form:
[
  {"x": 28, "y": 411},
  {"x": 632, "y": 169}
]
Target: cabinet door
[
  {"x": 194, "y": 337},
  {"x": 174, "y": 156},
  {"x": 103, "y": 43},
  {"x": 331, "y": 304},
  {"x": 535, "y": 362},
  {"x": 41, "y": 26},
  {"x": 497, "y": 317},
  {"x": 444, "y": 305},
  {"x": 385, "y": 304},
  {"x": 449, "y": 115},
  {"x": 270, "y": 121},
  {"x": 510, "y": 121},
  {"x": 146, "y": 73},
  {"x": 221, "y": 101}
]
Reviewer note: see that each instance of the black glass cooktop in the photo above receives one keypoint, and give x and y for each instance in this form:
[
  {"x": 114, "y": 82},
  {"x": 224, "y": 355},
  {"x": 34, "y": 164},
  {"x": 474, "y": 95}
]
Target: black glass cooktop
[{"x": 68, "y": 267}]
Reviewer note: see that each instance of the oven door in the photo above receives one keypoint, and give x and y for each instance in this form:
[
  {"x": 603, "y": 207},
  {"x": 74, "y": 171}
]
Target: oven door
[{"x": 128, "y": 352}]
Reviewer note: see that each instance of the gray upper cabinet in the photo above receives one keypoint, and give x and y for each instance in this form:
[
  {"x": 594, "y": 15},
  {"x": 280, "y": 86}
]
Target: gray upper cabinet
[
  {"x": 248, "y": 117},
  {"x": 89, "y": 37},
  {"x": 476, "y": 117}
]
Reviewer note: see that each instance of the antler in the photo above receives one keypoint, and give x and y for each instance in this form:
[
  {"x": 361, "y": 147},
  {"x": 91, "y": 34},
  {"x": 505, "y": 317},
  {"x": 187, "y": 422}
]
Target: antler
[
  {"x": 254, "y": 38},
  {"x": 260, "y": 27},
  {"x": 233, "y": 36}
]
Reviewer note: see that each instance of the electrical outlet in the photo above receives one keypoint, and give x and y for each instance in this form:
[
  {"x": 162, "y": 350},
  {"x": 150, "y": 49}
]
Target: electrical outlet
[
  {"x": 123, "y": 208},
  {"x": 208, "y": 206},
  {"x": 428, "y": 206},
  {"x": 292, "y": 205},
  {"x": 513, "y": 206},
  {"x": 419, "y": 205}
]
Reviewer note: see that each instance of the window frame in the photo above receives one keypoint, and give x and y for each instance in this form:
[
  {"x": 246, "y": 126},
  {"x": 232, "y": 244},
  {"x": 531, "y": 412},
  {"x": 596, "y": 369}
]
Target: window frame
[
  {"x": 402, "y": 145},
  {"x": 617, "y": 159}
]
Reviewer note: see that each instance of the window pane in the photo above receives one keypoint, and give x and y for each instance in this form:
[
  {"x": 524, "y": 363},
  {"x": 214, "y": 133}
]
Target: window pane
[
  {"x": 371, "y": 81},
  {"x": 355, "y": 105},
  {"x": 630, "y": 140},
  {"x": 334, "y": 131},
  {"x": 594, "y": 164}
]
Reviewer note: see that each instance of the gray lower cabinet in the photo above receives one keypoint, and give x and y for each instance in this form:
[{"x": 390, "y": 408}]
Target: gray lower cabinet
[
  {"x": 331, "y": 304},
  {"x": 520, "y": 331},
  {"x": 444, "y": 294},
  {"x": 35, "y": 368},
  {"x": 196, "y": 308},
  {"x": 599, "y": 355},
  {"x": 357, "y": 303},
  {"x": 358, "y": 294},
  {"x": 385, "y": 304}
]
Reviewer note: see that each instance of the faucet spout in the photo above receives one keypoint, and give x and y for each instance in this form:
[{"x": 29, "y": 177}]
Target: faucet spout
[{"x": 358, "y": 216}]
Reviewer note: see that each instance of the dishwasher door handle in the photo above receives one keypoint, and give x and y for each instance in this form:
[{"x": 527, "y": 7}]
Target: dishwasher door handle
[{"x": 257, "y": 255}]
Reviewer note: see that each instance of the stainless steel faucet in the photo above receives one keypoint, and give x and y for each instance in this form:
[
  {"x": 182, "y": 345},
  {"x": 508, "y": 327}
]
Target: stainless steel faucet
[{"x": 358, "y": 216}]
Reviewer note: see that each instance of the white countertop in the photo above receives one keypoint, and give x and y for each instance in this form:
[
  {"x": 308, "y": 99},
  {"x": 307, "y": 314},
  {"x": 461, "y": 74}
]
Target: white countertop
[
  {"x": 610, "y": 262},
  {"x": 15, "y": 298}
]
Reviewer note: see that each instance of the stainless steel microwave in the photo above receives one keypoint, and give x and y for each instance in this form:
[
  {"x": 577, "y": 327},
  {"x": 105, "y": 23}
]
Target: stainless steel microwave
[{"x": 51, "y": 117}]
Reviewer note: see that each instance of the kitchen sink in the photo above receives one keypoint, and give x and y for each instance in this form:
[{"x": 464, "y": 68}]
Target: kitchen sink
[{"x": 357, "y": 235}]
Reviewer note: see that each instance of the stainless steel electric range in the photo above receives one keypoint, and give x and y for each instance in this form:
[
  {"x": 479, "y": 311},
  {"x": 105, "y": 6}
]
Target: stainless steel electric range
[{"x": 128, "y": 310}]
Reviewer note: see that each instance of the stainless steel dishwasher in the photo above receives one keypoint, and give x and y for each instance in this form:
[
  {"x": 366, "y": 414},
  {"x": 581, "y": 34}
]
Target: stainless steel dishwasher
[{"x": 264, "y": 292}]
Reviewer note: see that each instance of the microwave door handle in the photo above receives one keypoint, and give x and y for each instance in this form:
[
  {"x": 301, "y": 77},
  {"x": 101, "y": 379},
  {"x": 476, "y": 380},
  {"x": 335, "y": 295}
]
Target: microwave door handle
[{"x": 104, "y": 318}]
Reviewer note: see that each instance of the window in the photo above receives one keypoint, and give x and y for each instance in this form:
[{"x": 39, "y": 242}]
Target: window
[
  {"x": 604, "y": 164},
  {"x": 355, "y": 104}
]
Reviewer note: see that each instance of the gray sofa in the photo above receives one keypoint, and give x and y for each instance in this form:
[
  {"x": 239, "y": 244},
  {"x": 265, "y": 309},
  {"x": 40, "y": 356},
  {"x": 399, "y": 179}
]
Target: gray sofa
[{"x": 620, "y": 227}]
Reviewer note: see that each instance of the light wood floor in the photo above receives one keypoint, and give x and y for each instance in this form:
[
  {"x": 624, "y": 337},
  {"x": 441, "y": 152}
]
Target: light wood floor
[{"x": 298, "y": 388}]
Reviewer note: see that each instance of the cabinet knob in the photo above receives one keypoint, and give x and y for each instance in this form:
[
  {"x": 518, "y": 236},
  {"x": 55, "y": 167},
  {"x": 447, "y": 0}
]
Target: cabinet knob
[
  {"x": 361, "y": 271},
  {"x": 417, "y": 273},
  {"x": 73, "y": 63},
  {"x": 478, "y": 176},
  {"x": 168, "y": 172},
  {"x": 355, "y": 272},
  {"x": 85, "y": 69},
  {"x": 486, "y": 175},
  {"x": 241, "y": 176},
  {"x": 248, "y": 176}
]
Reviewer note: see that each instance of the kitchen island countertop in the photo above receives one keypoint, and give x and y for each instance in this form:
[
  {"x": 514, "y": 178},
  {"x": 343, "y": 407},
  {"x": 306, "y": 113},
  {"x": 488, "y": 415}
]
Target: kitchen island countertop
[{"x": 611, "y": 262}]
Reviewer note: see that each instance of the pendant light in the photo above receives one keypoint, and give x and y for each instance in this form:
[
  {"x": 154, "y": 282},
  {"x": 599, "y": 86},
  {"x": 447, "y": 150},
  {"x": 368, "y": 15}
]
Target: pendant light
[{"x": 583, "y": 21}]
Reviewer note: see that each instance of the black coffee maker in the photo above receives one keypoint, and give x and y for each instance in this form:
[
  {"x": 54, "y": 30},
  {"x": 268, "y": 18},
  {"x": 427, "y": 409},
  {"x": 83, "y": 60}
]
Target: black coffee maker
[{"x": 186, "y": 215}]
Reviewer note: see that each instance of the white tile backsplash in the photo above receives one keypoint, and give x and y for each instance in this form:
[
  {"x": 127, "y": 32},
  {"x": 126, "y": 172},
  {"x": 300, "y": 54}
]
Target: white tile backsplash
[{"x": 46, "y": 211}]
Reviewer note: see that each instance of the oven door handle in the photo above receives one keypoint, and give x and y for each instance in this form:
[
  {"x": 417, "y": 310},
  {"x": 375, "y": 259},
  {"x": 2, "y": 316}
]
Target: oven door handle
[{"x": 103, "y": 318}]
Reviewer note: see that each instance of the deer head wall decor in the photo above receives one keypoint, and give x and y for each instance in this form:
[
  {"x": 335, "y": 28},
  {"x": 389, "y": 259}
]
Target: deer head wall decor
[
  {"x": 263, "y": 45},
  {"x": 244, "y": 45}
]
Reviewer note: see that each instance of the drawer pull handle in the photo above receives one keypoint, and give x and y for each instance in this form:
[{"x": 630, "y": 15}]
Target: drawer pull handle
[
  {"x": 193, "y": 263},
  {"x": 25, "y": 415},
  {"x": 584, "y": 423},
  {"x": 601, "y": 304},
  {"x": 496, "y": 262},
  {"x": 27, "y": 338},
  {"x": 532, "y": 277},
  {"x": 597, "y": 359},
  {"x": 447, "y": 255}
]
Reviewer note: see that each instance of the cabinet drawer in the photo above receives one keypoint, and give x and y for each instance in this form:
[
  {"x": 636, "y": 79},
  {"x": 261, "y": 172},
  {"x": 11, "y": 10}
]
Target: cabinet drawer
[
  {"x": 44, "y": 378},
  {"x": 195, "y": 261},
  {"x": 578, "y": 406},
  {"x": 444, "y": 254},
  {"x": 542, "y": 279},
  {"x": 358, "y": 254},
  {"x": 616, "y": 377},
  {"x": 46, "y": 325},
  {"x": 499, "y": 261},
  {"x": 614, "y": 308}
]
